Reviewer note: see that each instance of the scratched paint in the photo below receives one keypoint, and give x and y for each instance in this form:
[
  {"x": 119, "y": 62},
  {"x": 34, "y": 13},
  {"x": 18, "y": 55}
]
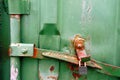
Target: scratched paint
[
  {"x": 15, "y": 69},
  {"x": 14, "y": 73},
  {"x": 86, "y": 11},
  {"x": 15, "y": 38}
]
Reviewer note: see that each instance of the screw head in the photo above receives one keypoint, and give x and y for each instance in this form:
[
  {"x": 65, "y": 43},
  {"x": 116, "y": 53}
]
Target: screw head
[{"x": 24, "y": 51}]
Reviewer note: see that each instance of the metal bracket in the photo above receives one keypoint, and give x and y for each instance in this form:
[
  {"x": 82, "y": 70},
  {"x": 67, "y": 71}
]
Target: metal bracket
[{"x": 21, "y": 49}]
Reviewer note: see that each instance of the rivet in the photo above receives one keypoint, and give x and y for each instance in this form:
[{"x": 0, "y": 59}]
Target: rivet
[{"x": 24, "y": 51}]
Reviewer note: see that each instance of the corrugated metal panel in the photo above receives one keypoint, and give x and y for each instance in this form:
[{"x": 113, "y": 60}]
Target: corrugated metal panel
[{"x": 96, "y": 20}]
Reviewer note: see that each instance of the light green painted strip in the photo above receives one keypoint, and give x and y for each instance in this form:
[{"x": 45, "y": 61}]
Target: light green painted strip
[
  {"x": 15, "y": 38},
  {"x": 15, "y": 29}
]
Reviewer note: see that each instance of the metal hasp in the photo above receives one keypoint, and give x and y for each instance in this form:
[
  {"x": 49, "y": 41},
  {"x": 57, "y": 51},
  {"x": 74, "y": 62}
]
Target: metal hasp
[
  {"x": 18, "y": 6},
  {"x": 79, "y": 45},
  {"x": 21, "y": 49}
]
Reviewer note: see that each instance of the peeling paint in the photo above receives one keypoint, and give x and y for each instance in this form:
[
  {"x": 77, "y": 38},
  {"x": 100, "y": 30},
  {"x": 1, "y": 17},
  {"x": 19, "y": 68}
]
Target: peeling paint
[
  {"x": 52, "y": 77},
  {"x": 15, "y": 16},
  {"x": 74, "y": 70},
  {"x": 45, "y": 76},
  {"x": 76, "y": 75},
  {"x": 52, "y": 68},
  {"x": 14, "y": 73}
]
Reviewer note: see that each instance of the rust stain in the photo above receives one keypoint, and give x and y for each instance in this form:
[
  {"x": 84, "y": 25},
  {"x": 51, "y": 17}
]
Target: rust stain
[
  {"x": 52, "y": 77},
  {"x": 35, "y": 53},
  {"x": 74, "y": 68},
  {"x": 76, "y": 75},
  {"x": 65, "y": 57},
  {"x": 15, "y": 16},
  {"x": 40, "y": 76},
  {"x": 78, "y": 42},
  {"x": 52, "y": 68},
  {"x": 109, "y": 65},
  {"x": 94, "y": 64},
  {"x": 70, "y": 67},
  {"x": 9, "y": 51},
  {"x": 115, "y": 67}
]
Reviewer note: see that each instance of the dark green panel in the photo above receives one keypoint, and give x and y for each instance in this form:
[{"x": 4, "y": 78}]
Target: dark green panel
[
  {"x": 118, "y": 34},
  {"x": 4, "y": 43},
  {"x": 29, "y": 34},
  {"x": 29, "y": 69},
  {"x": 30, "y": 24}
]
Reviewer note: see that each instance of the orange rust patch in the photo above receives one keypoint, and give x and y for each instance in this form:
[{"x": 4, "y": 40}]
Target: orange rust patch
[
  {"x": 52, "y": 77},
  {"x": 70, "y": 67},
  {"x": 9, "y": 51},
  {"x": 75, "y": 75},
  {"x": 35, "y": 53},
  {"x": 15, "y": 16},
  {"x": 78, "y": 42}
]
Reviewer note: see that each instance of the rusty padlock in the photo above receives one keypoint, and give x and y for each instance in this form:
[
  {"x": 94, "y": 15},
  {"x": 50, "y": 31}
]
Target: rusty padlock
[{"x": 79, "y": 46}]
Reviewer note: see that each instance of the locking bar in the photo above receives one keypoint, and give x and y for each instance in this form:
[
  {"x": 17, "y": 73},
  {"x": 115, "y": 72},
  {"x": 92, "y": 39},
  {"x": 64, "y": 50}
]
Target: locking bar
[{"x": 97, "y": 65}]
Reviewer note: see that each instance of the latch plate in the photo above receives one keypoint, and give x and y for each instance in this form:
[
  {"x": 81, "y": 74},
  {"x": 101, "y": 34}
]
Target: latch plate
[{"x": 21, "y": 49}]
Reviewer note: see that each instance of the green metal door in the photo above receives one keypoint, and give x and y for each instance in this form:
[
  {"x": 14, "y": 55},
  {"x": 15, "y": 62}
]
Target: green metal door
[{"x": 51, "y": 24}]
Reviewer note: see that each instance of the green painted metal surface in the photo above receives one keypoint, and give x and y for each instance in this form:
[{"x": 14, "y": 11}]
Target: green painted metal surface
[
  {"x": 49, "y": 68},
  {"x": 4, "y": 43},
  {"x": 18, "y": 6},
  {"x": 96, "y": 20}
]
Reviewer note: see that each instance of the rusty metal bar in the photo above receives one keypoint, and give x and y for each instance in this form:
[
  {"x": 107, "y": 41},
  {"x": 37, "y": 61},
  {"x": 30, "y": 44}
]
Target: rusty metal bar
[{"x": 97, "y": 65}]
